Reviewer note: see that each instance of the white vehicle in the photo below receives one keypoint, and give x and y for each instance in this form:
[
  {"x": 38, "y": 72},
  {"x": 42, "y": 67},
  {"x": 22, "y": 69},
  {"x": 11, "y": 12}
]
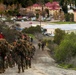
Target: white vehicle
[
  {"x": 43, "y": 19},
  {"x": 24, "y": 17},
  {"x": 3, "y": 19},
  {"x": 13, "y": 18},
  {"x": 33, "y": 18}
]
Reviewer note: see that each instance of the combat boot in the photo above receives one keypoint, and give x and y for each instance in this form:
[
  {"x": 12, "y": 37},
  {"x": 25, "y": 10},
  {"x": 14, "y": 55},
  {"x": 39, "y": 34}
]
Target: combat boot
[
  {"x": 22, "y": 69},
  {"x": 26, "y": 67},
  {"x": 29, "y": 66},
  {"x": 18, "y": 70}
]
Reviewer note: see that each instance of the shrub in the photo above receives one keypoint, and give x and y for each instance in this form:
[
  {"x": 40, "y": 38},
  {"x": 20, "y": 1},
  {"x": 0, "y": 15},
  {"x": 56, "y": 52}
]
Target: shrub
[
  {"x": 8, "y": 33},
  {"x": 69, "y": 17},
  {"x": 37, "y": 15},
  {"x": 67, "y": 48},
  {"x": 32, "y": 30},
  {"x": 59, "y": 34}
]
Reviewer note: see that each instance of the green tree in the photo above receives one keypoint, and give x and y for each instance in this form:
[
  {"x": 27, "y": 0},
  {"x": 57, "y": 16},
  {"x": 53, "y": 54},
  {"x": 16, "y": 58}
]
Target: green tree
[
  {"x": 1, "y": 1},
  {"x": 8, "y": 32},
  {"x": 47, "y": 11},
  {"x": 32, "y": 30},
  {"x": 37, "y": 15},
  {"x": 64, "y": 3},
  {"x": 59, "y": 34},
  {"x": 72, "y": 17},
  {"x": 75, "y": 2},
  {"x": 40, "y": 2},
  {"x": 50, "y": 0},
  {"x": 69, "y": 17},
  {"x": 29, "y": 2},
  {"x": 67, "y": 48},
  {"x": 46, "y": 1}
]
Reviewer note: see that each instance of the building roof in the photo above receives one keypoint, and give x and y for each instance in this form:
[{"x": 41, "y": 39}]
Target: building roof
[
  {"x": 48, "y": 4},
  {"x": 36, "y": 5},
  {"x": 53, "y": 5}
]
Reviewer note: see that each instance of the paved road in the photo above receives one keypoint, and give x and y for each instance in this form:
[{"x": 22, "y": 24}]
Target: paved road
[
  {"x": 42, "y": 64},
  {"x": 31, "y": 23}
]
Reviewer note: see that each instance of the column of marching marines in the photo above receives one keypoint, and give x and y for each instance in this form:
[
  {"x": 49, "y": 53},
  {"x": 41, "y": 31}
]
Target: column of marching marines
[{"x": 18, "y": 53}]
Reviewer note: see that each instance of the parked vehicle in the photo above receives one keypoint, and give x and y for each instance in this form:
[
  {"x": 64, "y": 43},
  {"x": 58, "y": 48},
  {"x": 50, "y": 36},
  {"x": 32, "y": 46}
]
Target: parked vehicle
[
  {"x": 47, "y": 34},
  {"x": 48, "y": 19},
  {"x": 33, "y": 18}
]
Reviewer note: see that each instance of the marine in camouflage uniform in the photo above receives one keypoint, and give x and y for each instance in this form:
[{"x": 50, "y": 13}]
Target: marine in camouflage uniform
[
  {"x": 30, "y": 54},
  {"x": 21, "y": 54},
  {"x": 3, "y": 52},
  {"x": 1, "y": 61},
  {"x": 32, "y": 47},
  {"x": 10, "y": 56}
]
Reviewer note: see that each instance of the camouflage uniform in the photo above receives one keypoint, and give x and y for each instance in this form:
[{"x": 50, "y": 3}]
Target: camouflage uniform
[
  {"x": 10, "y": 58},
  {"x": 29, "y": 56},
  {"x": 1, "y": 61},
  {"x": 13, "y": 57},
  {"x": 39, "y": 45},
  {"x": 43, "y": 45},
  {"x": 3, "y": 52},
  {"x": 21, "y": 54},
  {"x": 32, "y": 47}
]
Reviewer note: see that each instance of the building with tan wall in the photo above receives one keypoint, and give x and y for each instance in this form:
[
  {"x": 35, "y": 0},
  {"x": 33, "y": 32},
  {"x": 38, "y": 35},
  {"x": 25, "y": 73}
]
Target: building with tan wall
[
  {"x": 35, "y": 8},
  {"x": 75, "y": 15},
  {"x": 52, "y": 7}
]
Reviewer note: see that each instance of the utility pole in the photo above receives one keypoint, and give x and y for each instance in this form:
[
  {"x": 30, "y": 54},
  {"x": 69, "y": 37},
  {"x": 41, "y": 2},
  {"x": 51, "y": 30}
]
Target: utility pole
[{"x": 40, "y": 18}]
